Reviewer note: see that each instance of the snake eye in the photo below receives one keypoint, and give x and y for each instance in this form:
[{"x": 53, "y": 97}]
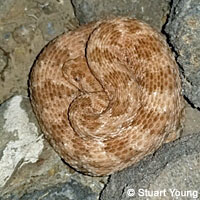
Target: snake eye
[{"x": 77, "y": 79}]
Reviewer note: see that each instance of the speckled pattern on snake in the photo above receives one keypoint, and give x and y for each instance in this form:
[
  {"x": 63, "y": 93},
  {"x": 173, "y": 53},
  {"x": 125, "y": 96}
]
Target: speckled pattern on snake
[{"x": 107, "y": 94}]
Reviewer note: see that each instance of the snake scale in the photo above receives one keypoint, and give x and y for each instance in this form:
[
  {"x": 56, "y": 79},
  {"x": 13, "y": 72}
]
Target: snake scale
[{"x": 107, "y": 94}]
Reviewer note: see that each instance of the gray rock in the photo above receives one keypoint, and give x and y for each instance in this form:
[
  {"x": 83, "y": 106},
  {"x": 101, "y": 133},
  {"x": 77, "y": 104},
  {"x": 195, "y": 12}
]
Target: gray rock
[
  {"x": 191, "y": 121},
  {"x": 183, "y": 29},
  {"x": 153, "y": 12},
  {"x": 5, "y": 7},
  {"x": 65, "y": 191},
  {"x": 174, "y": 166},
  {"x": 29, "y": 167}
]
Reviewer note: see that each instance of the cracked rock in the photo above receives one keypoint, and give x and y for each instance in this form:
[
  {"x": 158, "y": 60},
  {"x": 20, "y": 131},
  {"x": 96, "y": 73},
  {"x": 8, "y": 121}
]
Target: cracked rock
[{"x": 183, "y": 29}]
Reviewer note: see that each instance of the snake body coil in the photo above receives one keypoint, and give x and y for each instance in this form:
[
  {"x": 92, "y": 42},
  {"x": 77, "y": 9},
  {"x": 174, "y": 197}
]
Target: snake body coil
[{"x": 107, "y": 94}]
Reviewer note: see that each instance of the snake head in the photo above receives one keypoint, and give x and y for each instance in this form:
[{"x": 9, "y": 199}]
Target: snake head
[{"x": 76, "y": 71}]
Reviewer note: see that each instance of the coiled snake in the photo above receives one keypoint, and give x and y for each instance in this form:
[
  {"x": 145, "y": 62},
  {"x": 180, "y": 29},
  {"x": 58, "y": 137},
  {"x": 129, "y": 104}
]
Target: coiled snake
[{"x": 107, "y": 94}]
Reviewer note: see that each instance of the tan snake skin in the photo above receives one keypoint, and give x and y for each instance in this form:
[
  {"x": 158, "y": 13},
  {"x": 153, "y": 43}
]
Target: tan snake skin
[{"x": 107, "y": 94}]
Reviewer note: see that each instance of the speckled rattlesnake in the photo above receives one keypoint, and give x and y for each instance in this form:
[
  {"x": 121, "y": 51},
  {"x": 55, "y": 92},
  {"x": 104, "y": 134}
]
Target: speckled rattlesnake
[{"x": 107, "y": 94}]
